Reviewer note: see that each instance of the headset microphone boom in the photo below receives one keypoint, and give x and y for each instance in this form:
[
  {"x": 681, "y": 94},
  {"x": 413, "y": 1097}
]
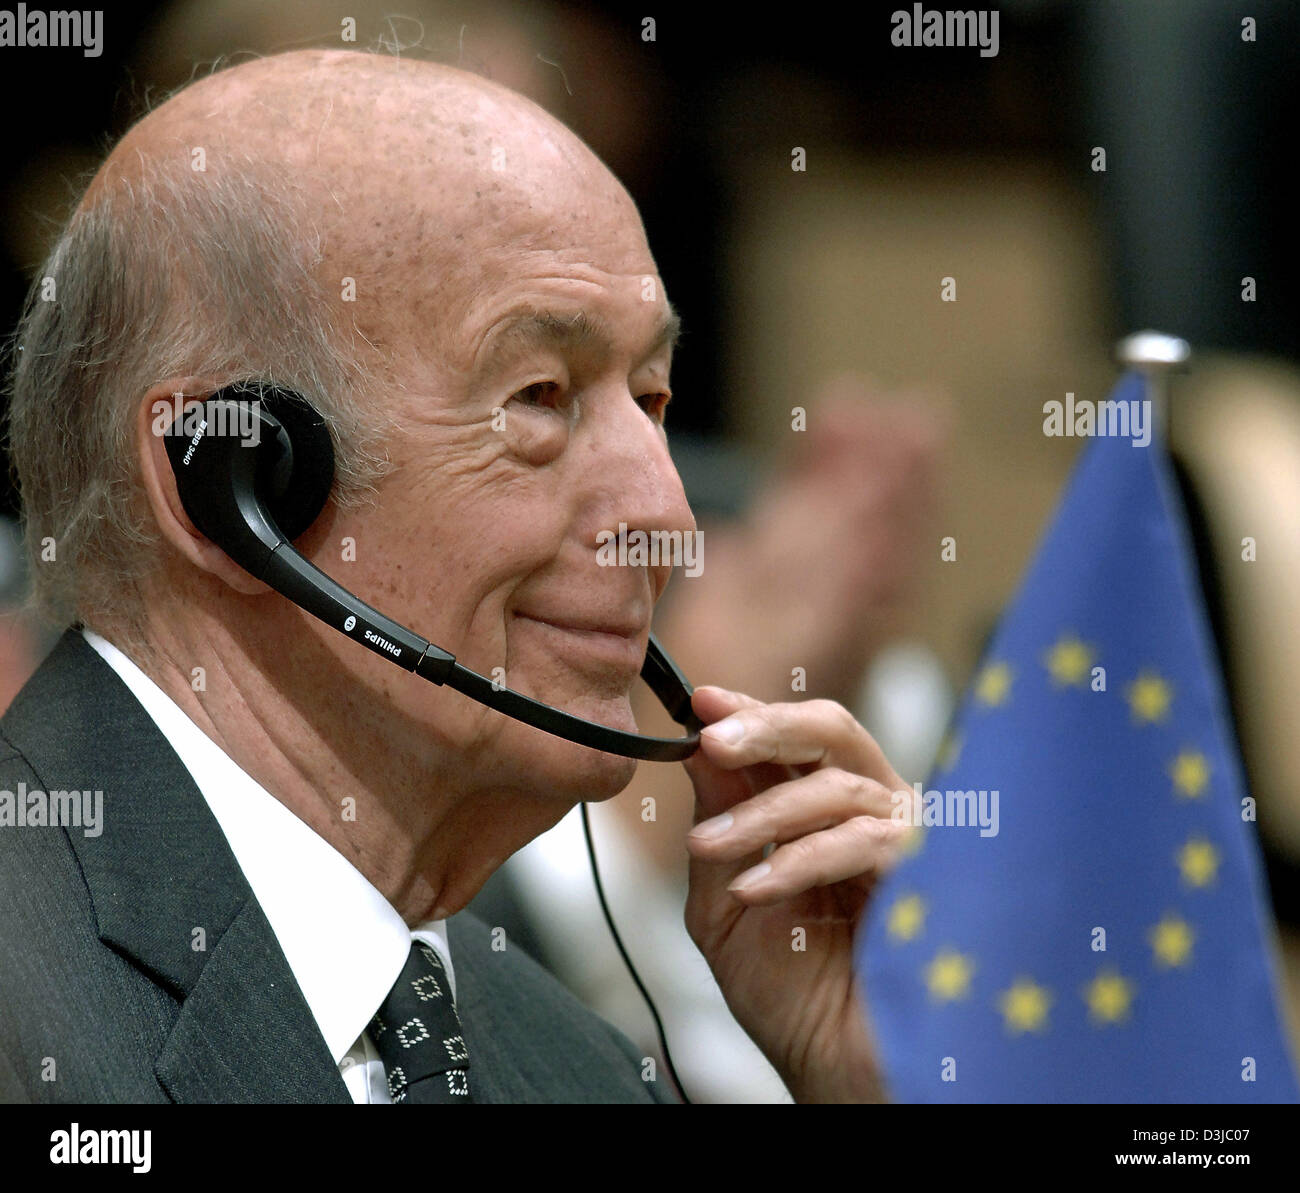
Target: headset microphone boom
[{"x": 256, "y": 472}]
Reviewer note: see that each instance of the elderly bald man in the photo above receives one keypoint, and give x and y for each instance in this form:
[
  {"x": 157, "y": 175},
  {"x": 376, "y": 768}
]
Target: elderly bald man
[{"x": 289, "y": 823}]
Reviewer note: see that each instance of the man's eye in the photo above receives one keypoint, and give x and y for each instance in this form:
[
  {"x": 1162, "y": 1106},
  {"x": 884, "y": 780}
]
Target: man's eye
[{"x": 540, "y": 393}]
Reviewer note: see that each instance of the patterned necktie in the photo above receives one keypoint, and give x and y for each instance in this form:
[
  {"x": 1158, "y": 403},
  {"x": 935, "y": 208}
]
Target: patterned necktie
[{"x": 418, "y": 1036}]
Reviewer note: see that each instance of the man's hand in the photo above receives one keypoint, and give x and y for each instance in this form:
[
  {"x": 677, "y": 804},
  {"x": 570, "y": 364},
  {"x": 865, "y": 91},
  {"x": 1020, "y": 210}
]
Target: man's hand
[{"x": 810, "y": 779}]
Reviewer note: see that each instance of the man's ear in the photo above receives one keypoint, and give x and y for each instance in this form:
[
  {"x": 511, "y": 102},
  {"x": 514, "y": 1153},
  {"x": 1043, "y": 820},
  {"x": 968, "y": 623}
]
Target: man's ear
[{"x": 160, "y": 406}]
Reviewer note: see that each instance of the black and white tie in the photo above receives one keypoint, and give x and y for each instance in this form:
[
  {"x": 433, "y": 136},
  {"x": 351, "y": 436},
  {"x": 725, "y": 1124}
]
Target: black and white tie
[{"x": 418, "y": 1036}]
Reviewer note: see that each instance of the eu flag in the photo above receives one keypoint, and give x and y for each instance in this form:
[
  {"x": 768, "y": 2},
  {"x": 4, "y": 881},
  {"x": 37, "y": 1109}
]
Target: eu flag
[{"x": 1097, "y": 929}]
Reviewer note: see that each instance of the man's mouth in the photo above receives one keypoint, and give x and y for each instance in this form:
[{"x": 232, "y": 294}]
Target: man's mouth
[{"x": 616, "y": 644}]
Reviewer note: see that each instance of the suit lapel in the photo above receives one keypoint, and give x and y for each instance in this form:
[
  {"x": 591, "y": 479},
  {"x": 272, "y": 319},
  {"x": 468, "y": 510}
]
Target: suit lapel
[
  {"x": 244, "y": 1032},
  {"x": 168, "y": 894}
]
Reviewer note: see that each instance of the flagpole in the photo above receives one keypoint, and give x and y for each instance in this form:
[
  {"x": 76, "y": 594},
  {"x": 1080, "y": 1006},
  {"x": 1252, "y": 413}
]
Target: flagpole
[{"x": 1155, "y": 355}]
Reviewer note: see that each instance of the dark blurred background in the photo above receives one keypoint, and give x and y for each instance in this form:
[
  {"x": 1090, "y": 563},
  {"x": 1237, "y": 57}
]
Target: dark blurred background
[{"x": 1199, "y": 127}]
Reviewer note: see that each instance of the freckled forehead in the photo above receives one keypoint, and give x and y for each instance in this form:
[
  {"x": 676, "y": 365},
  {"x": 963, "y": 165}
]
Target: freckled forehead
[
  {"x": 443, "y": 222},
  {"x": 487, "y": 167},
  {"x": 509, "y": 245}
]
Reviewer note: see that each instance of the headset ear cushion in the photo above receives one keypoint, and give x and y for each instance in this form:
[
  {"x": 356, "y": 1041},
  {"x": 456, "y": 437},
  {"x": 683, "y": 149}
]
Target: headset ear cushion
[{"x": 296, "y": 480}]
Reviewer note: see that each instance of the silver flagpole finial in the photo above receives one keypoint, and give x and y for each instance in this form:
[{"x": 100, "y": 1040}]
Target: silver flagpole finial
[
  {"x": 1155, "y": 355},
  {"x": 1152, "y": 350}
]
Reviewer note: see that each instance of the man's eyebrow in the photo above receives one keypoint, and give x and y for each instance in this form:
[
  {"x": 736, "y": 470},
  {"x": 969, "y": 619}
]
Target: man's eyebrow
[{"x": 573, "y": 331}]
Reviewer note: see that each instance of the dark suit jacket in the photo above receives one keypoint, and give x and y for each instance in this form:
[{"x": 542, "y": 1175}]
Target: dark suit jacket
[{"x": 101, "y": 988}]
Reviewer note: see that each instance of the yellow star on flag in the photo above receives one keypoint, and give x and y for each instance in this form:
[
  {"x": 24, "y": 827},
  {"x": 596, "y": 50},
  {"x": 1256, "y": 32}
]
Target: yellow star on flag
[
  {"x": 1024, "y": 1006},
  {"x": 948, "y": 975},
  {"x": 1149, "y": 696},
  {"x": 949, "y": 751},
  {"x": 1070, "y": 661},
  {"x": 1108, "y": 996},
  {"x": 1190, "y": 772},
  {"x": 1171, "y": 940},
  {"x": 993, "y": 684},
  {"x": 907, "y": 917},
  {"x": 1199, "y": 862},
  {"x": 909, "y": 844}
]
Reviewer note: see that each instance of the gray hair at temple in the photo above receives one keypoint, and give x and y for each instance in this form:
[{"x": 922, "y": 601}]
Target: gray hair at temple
[{"x": 172, "y": 273}]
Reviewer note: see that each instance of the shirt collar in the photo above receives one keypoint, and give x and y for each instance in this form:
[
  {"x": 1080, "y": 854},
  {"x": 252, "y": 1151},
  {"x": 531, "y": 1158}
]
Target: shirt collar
[{"x": 345, "y": 943}]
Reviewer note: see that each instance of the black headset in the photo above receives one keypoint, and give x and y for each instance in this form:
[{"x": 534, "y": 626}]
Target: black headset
[{"x": 254, "y": 472}]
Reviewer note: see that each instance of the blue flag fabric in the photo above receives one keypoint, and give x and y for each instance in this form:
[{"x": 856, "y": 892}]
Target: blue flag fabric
[{"x": 1098, "y": 931}]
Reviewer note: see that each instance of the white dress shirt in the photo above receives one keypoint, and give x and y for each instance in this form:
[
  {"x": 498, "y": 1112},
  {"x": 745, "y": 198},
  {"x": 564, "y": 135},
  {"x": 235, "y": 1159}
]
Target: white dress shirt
[{"x": 345, "y": 943}]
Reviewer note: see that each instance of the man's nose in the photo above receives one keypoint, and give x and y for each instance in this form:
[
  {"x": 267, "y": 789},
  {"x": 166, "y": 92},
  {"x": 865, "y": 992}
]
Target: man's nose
[{"x": 633, "y": 481}]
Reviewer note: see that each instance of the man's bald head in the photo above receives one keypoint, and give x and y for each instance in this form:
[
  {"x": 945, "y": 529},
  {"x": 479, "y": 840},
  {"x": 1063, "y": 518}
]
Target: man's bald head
[
  {"x": 319, "y": 218},
  {"x": 410, "y": 170}
]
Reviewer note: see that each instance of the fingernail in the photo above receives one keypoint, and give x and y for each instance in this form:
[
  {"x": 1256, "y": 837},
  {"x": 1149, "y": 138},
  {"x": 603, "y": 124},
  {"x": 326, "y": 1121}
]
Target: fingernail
[
  {"x": 750, "y": 877},
  {"x": 715, "y": 827},
  {"x": 728, "y": 731}
]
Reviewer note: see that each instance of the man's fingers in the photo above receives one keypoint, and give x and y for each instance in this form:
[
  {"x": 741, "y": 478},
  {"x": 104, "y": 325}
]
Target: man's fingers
[
  {"x": 791, "y": 810},
  {"x": 825, "y": 800},
  {"x": 719, "y": 787},
  {"x": 810, "y": 734},
  {"x": 858, "y": 848}
]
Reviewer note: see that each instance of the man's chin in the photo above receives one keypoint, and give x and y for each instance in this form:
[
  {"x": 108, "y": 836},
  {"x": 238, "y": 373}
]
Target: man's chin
[
  {"x": 614, "y": 712},
  {"x": 576, "y": 771}
]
